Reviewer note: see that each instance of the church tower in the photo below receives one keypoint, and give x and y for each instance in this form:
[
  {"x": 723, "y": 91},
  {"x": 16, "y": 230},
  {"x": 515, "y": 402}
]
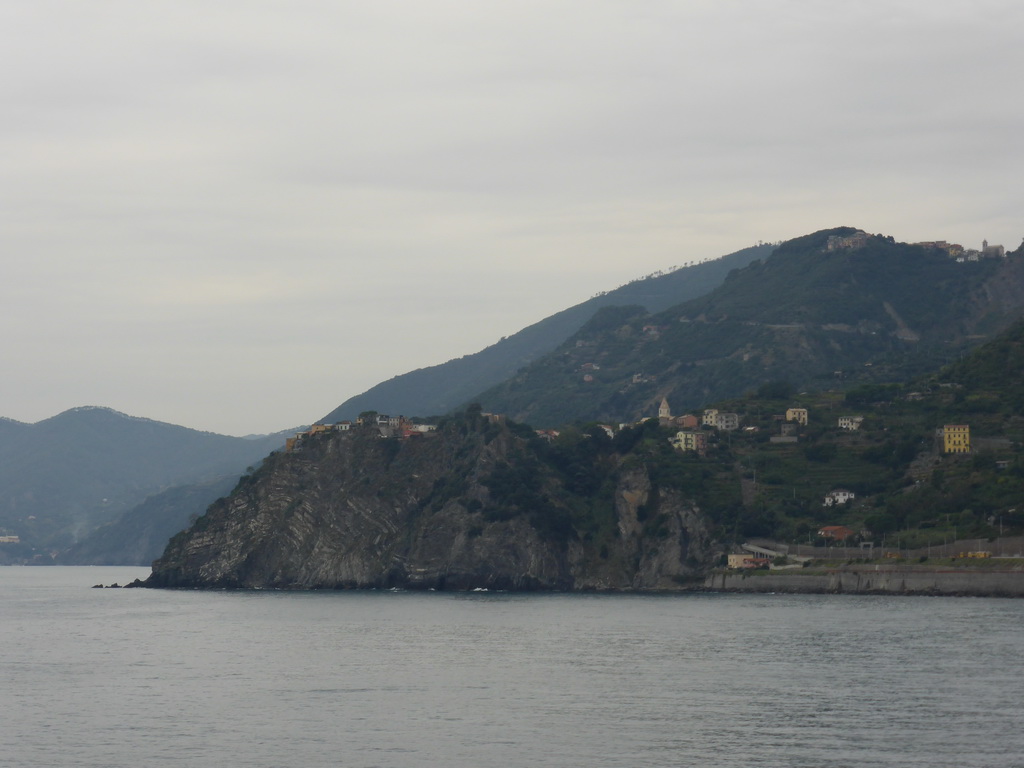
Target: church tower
[{"x": 664, "y": 412}]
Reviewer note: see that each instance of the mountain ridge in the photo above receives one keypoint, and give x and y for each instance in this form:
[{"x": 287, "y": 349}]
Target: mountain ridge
[
  {"x": 441, "y": 388},
  {"x": 65, "y": 475},
  {"x": 805, "y": 314}
]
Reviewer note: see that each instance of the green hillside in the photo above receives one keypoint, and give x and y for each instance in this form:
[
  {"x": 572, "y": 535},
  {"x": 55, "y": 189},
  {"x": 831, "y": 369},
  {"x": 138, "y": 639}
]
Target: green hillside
[
  {"x": 814, "y": 316},
  {"x": 444, "y": 387},
  {"x": 907, "y": 489}
]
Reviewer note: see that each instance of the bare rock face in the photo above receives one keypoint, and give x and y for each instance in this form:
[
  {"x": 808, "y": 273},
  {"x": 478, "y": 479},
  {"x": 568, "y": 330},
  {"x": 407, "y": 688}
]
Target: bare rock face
[{"x": 354, "y": 510}]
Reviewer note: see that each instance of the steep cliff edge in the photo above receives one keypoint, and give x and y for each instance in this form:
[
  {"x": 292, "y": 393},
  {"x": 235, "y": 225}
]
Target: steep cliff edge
[{"x": 476, "y": 504}]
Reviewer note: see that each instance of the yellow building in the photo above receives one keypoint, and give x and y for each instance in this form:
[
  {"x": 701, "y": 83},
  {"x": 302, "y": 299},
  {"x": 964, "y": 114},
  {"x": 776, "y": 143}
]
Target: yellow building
[
  {"x": 956, "y": 438},
  {"x": 799, "y": 415}
]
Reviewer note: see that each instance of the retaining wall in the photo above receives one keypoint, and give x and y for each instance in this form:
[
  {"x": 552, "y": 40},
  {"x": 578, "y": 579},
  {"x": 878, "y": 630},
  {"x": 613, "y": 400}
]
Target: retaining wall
[{"x": 876, "y": 579}]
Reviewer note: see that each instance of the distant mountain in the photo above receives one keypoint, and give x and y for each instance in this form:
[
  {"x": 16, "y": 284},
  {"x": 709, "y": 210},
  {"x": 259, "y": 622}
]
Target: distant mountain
[
  {"x": 62, "y": 477},
  {"x": 826, "y": 310},
  {"x": 139, "y": 536},
  {"x": 440, "y": 388}
]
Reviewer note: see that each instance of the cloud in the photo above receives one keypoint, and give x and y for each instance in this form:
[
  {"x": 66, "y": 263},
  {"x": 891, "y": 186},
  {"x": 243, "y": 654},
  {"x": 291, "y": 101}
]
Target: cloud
[{"x": 252, "y": 200}]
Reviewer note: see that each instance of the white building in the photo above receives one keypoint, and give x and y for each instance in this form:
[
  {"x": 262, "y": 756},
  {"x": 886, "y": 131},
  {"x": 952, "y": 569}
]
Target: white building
[
  {"x": 839, "y": 496},
  {"x": 727, "y": 421}
]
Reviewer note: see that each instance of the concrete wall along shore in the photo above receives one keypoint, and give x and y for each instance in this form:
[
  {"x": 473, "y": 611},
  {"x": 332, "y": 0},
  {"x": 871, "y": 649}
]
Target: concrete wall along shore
[{"x": 876, "y": 579}]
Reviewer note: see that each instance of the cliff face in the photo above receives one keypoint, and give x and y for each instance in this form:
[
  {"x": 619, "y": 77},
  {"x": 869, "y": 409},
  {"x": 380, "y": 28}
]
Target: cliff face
[{"x": 353, "y": 510}]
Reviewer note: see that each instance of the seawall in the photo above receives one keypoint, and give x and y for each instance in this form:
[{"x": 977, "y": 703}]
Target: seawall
[{"x": 875, "y": 579}]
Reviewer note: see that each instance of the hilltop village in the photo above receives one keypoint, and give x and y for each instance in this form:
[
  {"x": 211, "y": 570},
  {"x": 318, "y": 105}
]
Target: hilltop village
[
  {"x": 388, "y": 426},
  {"x": 954, "y": 250}
]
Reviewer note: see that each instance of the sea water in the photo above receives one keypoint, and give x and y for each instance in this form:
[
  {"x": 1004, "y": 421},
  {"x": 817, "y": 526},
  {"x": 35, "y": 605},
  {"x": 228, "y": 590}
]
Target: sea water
[{"x": 138, "y": 677}]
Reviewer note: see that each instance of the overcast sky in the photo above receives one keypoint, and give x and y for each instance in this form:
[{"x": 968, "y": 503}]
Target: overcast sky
[{"x": 234, "y": 216}]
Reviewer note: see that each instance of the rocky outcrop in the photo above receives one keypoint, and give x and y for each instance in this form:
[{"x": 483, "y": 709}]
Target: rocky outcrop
[{"x": 354, "y": 510}]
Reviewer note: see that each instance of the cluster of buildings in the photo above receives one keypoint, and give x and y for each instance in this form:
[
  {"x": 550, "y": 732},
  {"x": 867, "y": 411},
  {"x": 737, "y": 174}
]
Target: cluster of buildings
[
  {"x": 692, "y": 438},
  {"x": 389, "y": 426},
  {"x": 857, "y": 240},
  {"x": 954, "y": 250},
  {"x": 961, "y": 254}
]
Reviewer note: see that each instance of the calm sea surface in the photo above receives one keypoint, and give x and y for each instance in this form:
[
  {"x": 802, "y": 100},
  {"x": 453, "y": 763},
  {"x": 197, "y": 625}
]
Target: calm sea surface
[{"x": 149, "y": 678}]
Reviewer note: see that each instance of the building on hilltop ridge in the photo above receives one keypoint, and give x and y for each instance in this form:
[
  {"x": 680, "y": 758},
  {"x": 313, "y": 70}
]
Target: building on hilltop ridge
[
  {"x": 992, "y": 251},
  {"x": 857, "y": 240},
  {"x": 952, "y": 249},
  {"x": 295, "y": 443}
]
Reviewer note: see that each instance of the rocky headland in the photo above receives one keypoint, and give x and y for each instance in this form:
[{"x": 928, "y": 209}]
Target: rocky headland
[{"x": 477, "y": 504}]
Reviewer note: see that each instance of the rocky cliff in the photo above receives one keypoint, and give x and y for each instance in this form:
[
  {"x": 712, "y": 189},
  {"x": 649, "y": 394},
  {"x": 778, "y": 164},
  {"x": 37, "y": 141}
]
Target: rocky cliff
[{"x": 476, "y": 504}]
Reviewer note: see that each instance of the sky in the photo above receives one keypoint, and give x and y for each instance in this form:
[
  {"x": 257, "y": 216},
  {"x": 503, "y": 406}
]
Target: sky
[{"x": 234, "y": 216}]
